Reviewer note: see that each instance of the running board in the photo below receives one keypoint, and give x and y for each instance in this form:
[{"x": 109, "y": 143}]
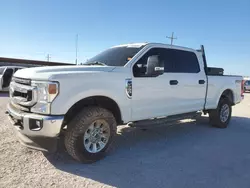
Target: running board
[{"x": 163, "y": 121}]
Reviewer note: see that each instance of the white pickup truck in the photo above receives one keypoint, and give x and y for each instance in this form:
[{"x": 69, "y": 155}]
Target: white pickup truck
[{"x": 135, "y": 84}]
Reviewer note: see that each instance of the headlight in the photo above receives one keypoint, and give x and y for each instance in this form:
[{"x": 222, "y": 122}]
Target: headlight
[{"x": 46, "y": 92}]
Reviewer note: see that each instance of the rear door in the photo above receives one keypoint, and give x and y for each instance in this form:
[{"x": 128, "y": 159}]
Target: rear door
[{"x": 190, "y": 89}]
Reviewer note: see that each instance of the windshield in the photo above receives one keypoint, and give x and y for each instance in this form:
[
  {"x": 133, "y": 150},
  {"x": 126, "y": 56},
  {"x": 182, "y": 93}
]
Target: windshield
[
  {"x": 116, "y": 56},
  {"x": 2, "y": 70}
]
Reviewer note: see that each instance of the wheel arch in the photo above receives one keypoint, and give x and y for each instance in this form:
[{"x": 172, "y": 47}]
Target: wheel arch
[
  {"x": 98, "y": 100},
  {"x": 227, "y": 93}
]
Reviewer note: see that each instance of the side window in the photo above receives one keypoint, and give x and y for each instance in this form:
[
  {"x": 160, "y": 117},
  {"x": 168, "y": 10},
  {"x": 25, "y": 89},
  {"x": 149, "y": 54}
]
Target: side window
[
  {"x": 175, "y": 61},
  {"x": 140, "y": 66},
  {"x": 185, "y": 62}
]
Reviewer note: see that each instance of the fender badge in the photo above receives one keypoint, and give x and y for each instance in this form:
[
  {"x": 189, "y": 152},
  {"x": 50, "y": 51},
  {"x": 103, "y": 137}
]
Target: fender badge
[{"x": 128, "y": 87}]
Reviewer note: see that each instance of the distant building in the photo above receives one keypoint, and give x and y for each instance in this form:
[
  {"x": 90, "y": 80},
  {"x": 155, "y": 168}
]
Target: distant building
[
  {"x": 246, "y": 78},
  {"x": 4, "y": 61}
]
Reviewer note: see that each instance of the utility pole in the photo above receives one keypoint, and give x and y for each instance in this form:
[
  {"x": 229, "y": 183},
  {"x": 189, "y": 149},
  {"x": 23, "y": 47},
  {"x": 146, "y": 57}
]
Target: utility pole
[
  {"x": 76, "y": 47},
  {"x": 48, "y": 57},
  {"x": 172, "y": 38}
]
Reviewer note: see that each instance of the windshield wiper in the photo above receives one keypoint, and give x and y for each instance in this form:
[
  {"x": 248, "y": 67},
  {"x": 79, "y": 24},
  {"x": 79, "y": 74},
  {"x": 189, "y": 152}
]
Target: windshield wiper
[{"x": 95, "y": 63}]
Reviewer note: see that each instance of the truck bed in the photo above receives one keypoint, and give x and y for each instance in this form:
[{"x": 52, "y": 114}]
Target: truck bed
[{"x": 220, "y": 83}]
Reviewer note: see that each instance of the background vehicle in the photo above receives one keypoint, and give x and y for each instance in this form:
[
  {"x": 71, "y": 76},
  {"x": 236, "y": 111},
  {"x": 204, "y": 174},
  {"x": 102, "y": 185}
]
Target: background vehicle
[
  {"x": 247, "y": 85},
  {"x": 6, "y": 73},
  {"x": 137, "y": 84}
]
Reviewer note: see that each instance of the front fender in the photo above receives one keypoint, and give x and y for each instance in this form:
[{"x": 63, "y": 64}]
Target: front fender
[{"x": 63, "y": 103}]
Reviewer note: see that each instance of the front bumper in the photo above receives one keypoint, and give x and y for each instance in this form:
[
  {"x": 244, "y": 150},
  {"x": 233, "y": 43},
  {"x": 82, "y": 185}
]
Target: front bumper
[{"x": 36, "y": 131}]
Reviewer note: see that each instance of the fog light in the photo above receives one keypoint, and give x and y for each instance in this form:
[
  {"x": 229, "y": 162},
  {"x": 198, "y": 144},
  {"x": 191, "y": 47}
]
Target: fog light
[
  {"x": 35, "y": 125},
  {"x": 38, "y": 123}
]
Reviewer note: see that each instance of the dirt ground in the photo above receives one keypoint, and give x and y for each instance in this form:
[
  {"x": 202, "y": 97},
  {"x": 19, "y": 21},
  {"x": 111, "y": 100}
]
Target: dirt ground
[{"x": 191, "y": 154}]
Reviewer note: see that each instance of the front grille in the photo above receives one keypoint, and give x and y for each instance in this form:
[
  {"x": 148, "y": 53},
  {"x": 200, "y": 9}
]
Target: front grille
[
  {"x": 23, "y": 81},
  {"x": 19, "y": 94},
  {"x": 22, "y": 94},
  {"x": 20, "y": 107},
  {"x": 27, "y": 95}
]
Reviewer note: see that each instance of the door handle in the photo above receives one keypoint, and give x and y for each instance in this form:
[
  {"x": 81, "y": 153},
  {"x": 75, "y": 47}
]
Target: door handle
[
  {"x": 201, "y": 81},
  {"x": 173, "y": 82}
]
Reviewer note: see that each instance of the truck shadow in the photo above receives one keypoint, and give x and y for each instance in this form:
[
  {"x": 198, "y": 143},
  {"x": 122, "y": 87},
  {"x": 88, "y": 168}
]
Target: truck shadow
[{"x": 158, "y": 157}]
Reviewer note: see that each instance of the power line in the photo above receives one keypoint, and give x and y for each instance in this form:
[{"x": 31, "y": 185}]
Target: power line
[
  {"x": 76, "y": 47},
  {"x": 48, "y": 57},
  {"x": 172, "y": 38}
]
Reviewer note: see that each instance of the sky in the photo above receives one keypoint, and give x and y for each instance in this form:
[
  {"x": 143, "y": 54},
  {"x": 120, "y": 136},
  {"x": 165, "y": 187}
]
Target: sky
[{"x": 32, "y": 29}]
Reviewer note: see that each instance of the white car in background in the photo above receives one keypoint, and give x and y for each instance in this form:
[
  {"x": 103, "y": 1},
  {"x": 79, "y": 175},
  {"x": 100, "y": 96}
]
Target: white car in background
[
  {"x": 6, "y": 73},
  {"x": 247, "y": 85}
]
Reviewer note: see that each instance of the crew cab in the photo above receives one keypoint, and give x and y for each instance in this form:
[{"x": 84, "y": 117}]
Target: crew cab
[{"x": 138, "y": 84}]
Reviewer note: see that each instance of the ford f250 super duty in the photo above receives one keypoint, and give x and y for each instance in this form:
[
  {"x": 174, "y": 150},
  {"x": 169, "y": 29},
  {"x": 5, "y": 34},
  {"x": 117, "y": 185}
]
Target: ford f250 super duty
[{"x": 137, "y": 84}]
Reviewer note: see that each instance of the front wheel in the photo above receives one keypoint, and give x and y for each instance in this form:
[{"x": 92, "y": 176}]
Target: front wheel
[
  {"x": 90, "y": 134},
  {"x": 221, "y": 116}
]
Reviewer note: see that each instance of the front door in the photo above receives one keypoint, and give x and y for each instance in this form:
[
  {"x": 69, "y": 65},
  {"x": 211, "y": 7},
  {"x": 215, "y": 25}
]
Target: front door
[{"x": 152, "y": 96}]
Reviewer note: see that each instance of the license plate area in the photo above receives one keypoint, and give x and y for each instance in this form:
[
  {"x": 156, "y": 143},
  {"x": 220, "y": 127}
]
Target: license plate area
[{"x": 18, "y": 123}]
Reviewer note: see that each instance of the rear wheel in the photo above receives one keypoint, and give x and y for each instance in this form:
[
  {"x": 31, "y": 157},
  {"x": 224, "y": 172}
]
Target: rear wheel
[
  {"x": 221, "y": 116},
  {"x": 90, "y": 134}
]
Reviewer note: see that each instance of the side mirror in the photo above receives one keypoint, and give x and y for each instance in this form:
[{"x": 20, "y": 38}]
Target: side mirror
[{"x": 154, "y": 66}]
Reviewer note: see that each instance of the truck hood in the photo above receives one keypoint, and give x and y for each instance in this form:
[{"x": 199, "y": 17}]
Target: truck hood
[{"x": 48, "y": 73}]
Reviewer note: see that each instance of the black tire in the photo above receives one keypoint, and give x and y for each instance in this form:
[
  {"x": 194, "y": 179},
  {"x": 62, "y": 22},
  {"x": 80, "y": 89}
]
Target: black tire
[
  {"x": 214, "y": 115},
  {"x": 79, "y": 125}
]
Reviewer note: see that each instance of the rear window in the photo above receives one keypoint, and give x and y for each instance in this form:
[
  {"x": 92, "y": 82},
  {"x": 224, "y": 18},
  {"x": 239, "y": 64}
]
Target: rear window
[
  {"x": 247, "y": 83},
  {"x": 185, "y": 62}
]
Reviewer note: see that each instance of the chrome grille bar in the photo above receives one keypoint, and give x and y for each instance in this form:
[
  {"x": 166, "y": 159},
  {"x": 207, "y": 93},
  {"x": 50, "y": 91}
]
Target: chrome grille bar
[
  {"x": 23, "y": 90},
  {"x": 21, "y": 80}
]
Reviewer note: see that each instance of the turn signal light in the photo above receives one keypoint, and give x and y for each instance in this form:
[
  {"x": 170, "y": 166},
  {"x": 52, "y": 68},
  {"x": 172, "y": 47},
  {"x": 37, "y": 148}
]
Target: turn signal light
[{"x": 52, "y": 89}]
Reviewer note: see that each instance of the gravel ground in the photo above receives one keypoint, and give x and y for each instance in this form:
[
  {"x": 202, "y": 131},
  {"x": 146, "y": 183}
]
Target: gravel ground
[{"x": 191, "y": 154}]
